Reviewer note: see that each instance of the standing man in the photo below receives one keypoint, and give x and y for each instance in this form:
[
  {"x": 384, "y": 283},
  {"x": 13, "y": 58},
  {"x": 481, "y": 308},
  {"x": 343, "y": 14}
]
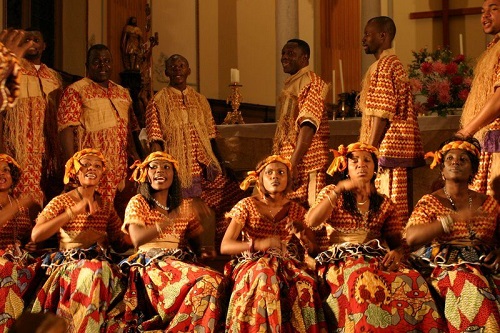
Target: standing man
[
  {"x": 30, "y": 134},
  {"x": 97, "y": 113},
  {"x": 389, "y": 121},
  {"x": 179, "y": 121},
  {"x": 302, "y": 131},
  {"x": 481, "y": 113}
]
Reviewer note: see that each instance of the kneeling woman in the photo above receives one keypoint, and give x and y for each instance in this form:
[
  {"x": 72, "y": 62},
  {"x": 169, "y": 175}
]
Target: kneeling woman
[
  {"x": 368, "y": 287},
  {"x": 166, "y": 289},
  {"x": 83, "y": 282},
  {"x": 272, "y": 292},
  {"x": 459, "y": 229}
]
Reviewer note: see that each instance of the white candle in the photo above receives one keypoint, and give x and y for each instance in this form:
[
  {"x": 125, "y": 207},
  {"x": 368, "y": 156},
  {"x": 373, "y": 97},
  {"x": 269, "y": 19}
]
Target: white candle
[
  {"x": 235, "y": 75},
  {"x": 461, "y": 44},
  {"x": 341, "y": 77},
  {"x": 333, "y": 86}
]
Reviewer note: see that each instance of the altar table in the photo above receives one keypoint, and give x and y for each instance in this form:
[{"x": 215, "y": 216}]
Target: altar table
[{"x": 245, "y": 145}]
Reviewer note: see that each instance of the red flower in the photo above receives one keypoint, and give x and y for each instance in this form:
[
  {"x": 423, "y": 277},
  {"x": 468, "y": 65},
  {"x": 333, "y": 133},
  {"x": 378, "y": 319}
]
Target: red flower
[
  {"x": 439, "y": 67},
  {"x": 462, "y": 94},
  {"x": 416, "y": 85},
  {"x": 431, "y": 102},
  {"x": 459, "y": 58},
  {"x": 457, "y": 80},
  {"x": 451, "y": 68},
  {"x": 426, "y": 68}
]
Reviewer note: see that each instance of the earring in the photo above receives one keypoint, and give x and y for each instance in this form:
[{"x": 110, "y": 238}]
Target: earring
[{"x": 442, "y": 176}]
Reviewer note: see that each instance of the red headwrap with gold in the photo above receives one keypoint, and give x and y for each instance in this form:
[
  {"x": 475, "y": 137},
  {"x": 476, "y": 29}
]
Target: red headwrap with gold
[
  {"x": 141, "y": 168},
  {"x": 9, "y": 160},
  {"x": 73, "y": 165},
  {"x": 438, "y": 155},
  {"x": 340, "y": 156},
  {"x": 253, "y": 176}
]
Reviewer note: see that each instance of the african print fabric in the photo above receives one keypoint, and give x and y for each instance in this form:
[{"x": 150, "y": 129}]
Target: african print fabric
[
  {"x": 272, "y": 291},
  {"x": 30, "y": 134},
  {"x": 386, "y": 93},
  {"x": 469, "y": 291},
  {"x": 17, "y": 269},
  {"x": 9, "y": 78},
  {"x": 83, "y": 283},
  {"x": 166, "y": 290},
  {"x": 103, "y": 118},
  {"x": 486, "y": 81},
  {"x": 302, "y": 101},
  {"x": 359, "y": 295},
  {"x": 183, "y": 122}
]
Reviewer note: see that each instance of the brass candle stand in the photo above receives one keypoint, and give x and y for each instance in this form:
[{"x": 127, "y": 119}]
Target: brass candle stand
[{"x": 234, "y": 117}]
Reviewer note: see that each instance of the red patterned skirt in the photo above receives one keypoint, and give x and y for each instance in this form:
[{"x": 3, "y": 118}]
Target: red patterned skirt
[
  {"x": 470, "y": 293},
  {"x": 17, "y": 281},
  {"x": 272, "y": 293},
  {"x": 167, "y": 294},
  {"x": 80, "y": 290},
  {"x": 361, "y": 297}
]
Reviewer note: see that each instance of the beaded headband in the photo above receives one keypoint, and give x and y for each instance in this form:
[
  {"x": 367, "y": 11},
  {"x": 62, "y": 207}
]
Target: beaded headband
[
  {"x": 253, "y": 176},
  {"x": 339, "y": 163},
  {"x": 141, "y": 168},
  {"x": 73, "y": 165},
  {"x": 438, "y": 155}
]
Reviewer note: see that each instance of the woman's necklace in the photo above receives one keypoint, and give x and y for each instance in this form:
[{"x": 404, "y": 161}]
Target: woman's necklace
[
  {"x": 362, "y": 202},
  {"x": 166, "y": 208},
  {"x": 453, "y": 203}
]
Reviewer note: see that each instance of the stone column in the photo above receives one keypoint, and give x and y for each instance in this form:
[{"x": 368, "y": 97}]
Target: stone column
[
  {"x": 369, "y": 9},
  {"x": 287, "y": 27}
]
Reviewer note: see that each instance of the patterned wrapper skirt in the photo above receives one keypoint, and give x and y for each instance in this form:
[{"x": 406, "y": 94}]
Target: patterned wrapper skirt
[
  {"x": 272, "y": 292},
  {"x": 82, "y": 285},
  {"x": 360, "y": 296},
  {"x": 17, "y": 284},
  {"x": 468, "y": 291},
  {"x": 167, "y": 293}
]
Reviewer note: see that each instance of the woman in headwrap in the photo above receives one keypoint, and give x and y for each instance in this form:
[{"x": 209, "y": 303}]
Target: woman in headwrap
[
  {"x": 272, "y": 291},
  {"x": 167, "y": 289},
  {"x": 459, "y": 229},
  {"x": 83, "y": 282},
  {"x": 368, "y": 287},
  {"x": 17, "y": 267}
]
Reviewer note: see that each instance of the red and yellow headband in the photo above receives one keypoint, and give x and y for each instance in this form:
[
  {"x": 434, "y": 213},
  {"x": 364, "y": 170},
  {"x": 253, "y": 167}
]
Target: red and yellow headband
[
  {"x": 438, "y": 155},
  {"x": 141, "y": 168},
  {"x": 73, "y": 165},
  {"x": 339, "y": 163},
  {"x": 9, "y": 160},
  {"x": 253, "y": 176}
]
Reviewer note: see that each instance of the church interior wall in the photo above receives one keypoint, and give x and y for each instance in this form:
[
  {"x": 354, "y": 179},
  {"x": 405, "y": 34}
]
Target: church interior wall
[{"x": 216, "y": 35}]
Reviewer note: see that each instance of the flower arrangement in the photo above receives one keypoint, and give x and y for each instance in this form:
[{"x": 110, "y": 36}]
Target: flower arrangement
[{"x": 439, "y": 81}]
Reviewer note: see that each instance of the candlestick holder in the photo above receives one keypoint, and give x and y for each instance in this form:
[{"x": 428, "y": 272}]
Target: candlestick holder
[{"x": 235, "y": 98}]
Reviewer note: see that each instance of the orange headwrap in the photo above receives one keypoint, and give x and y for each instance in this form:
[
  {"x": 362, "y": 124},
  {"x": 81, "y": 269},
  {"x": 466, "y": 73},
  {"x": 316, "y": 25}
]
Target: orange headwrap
[
  {"x": 9, "y": 160},
  {"x": 141, "y": 168},
  {"x": 73, "y": 164},
  {"x": 438, "y": 155},
  {"x": 253, "y": 176},
  {"x": 340, "y": 156}
]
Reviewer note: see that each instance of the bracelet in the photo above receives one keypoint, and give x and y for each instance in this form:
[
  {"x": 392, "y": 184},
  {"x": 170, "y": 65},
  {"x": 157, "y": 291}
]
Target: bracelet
[
  {"x": 159, "y": 230},
  {"x": 447, "y": 223},
  {"x": 316, "y": 228},
  {"x": 330, "y": 199},
  {"x": 250, "y": 246},
  {"x": 70, "y": 213}
]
